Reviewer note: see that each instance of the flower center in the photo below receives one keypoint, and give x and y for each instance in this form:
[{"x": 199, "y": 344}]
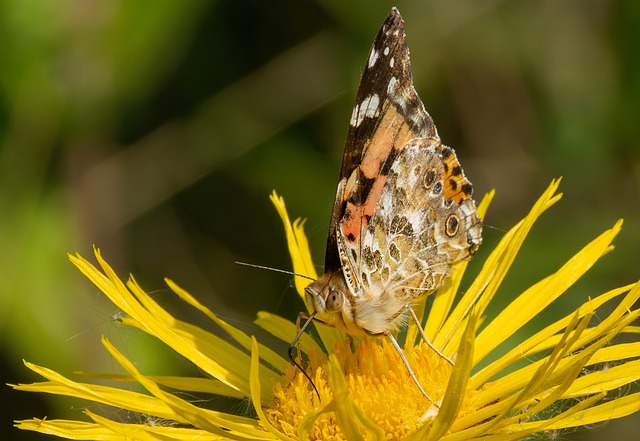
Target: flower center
[{"x": 378, "y": 382}]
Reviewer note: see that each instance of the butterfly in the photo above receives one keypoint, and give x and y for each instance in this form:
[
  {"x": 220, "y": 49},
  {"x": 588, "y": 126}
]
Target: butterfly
[{"x": 403, "y": 215}]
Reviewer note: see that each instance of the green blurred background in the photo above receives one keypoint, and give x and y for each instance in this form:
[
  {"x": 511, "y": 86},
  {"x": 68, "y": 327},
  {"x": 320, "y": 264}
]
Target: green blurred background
[{"x": 156, "y": 130}]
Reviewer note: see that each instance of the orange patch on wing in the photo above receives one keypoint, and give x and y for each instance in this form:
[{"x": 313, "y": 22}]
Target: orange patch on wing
[
  {"x": 355, "y": 216},
  {"x": 392, "y": 132},
  {"x": 454, "y": 180},
  {"x": 352, "y": 222},
  {"x": 374, "y": 196}
]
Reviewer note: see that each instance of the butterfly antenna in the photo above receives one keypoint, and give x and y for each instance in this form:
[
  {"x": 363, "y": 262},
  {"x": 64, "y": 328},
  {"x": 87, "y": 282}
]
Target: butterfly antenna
[
  {"x": 493, "y": 227},
  {"x": 292, "y": 345},
  {"x": 302, "y": 329},
  {"x": 277, "y": 270}
]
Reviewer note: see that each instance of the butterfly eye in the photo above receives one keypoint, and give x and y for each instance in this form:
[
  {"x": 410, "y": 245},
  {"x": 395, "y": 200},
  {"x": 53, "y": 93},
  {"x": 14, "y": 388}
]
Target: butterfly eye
[{"x": 334, "y": 301}]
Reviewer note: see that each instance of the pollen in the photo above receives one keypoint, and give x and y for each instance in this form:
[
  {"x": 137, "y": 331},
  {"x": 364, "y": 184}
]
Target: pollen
[{"x": 378, "y": 382}]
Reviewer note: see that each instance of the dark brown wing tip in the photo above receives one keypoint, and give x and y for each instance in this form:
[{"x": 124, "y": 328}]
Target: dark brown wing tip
[
  {"x": 394, "y": 13},
  {"x": 393, "y": 20},
  {"x": 391, "y": 33}
]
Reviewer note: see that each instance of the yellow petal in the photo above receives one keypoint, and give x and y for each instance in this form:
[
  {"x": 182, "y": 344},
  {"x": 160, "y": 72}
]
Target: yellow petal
[
  {"x": 348, "y": 415},
  {"x": 618, "y": 408},
  {"x": 256, "y": 394},
  {"x": 130, "y": 400},
  {"x": 618, "y": 352},
  {"x": 218, "y": 423},
  {"x": 186, "y": 384},
  {"x": 605, "y": 380},
  {"x": 540, "y": 295},
  {"x": 69, "y": 429},
  {"x": 298, "y": 246},
  {"x": 302, "y": 264},
  {"x": 209, "y": 352},
  {"x": 238, "y": 335},
  {"x": 519, "y": 429},
  {"x": 542, "y": 340},
  {"x": 493, "y": 272},
  {"x": 127, "y": 431},
  {"x": 499, "y": 402},
  {"x": 455, "y": 393},
  {"x": 285, "y": 331}
]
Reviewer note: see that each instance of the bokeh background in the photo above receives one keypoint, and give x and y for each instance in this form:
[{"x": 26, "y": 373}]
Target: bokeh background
[{"x": 157, "y": 129}]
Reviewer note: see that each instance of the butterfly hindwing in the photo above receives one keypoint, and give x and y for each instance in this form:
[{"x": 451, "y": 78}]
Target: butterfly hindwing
[{"x": 416, "y": 233}]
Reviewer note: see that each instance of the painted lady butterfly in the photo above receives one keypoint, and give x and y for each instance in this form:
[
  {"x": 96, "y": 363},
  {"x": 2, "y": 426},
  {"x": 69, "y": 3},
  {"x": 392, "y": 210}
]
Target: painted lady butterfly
[{"x": 403, "y": 213}]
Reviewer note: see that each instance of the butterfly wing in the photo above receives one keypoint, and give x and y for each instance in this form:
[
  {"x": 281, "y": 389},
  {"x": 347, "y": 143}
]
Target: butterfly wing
[
  {"x": 404, "y": 213},
  {"x": 424, "y": 223},
  {"x": 387, "y": 114}
]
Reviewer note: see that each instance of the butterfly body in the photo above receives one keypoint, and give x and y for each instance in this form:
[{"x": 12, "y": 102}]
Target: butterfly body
[{"x": 403, "y": 213}]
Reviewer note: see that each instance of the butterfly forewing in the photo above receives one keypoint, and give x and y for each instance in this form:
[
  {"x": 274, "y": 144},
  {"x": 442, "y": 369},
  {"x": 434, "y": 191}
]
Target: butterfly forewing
[
  {"x": 386, "y": 115},
  {"x": 403, "y": 214}
]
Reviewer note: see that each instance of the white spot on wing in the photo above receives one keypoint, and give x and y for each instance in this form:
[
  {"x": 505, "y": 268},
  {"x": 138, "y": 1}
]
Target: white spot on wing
[
  {"x": 372, "y": 103},
  {"x": 467, "y": 210},
  {"x": 394, "y": 94},
  {"x": 354, "y": 116},
  {"x": 391, "y": 62},
  {"x": 372, "y": 58},
  {"x": 392, "y": 85},
  {"x": 368, "y": 108},
  {"x": 417, "y": 120},
  {"x": 386, "y": 50}
]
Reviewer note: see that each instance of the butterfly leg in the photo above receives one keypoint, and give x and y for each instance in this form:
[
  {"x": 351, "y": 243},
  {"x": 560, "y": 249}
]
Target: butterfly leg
[
  {"x": 308, "y": 318},
  {"x": 424, "y": 336},
  {"x": 299, "y": 330},
  {"x": 411, "y": 374}
]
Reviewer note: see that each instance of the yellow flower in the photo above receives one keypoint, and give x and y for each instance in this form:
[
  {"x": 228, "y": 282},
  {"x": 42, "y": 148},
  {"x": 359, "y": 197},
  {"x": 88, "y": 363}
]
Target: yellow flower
[{"x": 569, "y": 374}]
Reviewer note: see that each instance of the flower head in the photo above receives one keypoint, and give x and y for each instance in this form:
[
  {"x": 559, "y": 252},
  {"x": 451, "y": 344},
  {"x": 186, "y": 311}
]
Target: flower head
[{"x": 550, "y": 381}]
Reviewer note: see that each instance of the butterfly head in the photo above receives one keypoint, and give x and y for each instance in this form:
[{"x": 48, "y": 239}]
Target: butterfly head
[
  {"x": 333, "y": 302},
  {"x": 328, "y": 293}
]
